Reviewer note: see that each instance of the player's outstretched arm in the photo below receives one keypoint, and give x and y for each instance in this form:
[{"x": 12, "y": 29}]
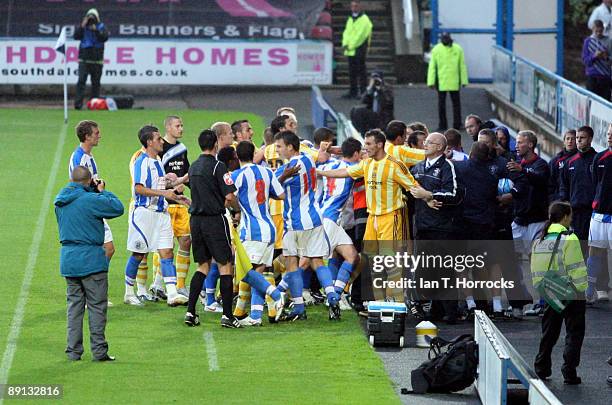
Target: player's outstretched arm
[{"x": 336, "y": 173}]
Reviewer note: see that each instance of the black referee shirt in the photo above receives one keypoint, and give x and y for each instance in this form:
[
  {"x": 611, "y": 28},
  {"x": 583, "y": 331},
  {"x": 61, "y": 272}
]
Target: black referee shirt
[
  {"x": 174, "y": 158},
  {"x": 210, "y": 183}
]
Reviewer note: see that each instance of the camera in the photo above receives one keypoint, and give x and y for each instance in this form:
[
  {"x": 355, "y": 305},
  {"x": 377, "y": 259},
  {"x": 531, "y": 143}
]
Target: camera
[
  {"x": 91, "y": 19},
  {"x": 94, "y": 185},
  {"x": 377, "y": 82}
]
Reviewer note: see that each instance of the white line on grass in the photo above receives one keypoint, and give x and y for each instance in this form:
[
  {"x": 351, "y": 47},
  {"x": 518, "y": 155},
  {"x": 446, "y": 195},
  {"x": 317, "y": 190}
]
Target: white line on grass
[
  {"x": 211, "y": 352},
  {"x": 15, "y": 328}
]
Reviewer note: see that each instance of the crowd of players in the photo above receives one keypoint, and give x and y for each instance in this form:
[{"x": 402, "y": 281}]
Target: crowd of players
[{"x": 310, "y": 216}]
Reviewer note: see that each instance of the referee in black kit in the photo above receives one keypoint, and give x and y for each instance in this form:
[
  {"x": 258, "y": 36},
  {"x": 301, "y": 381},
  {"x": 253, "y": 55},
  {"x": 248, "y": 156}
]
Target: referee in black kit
[{"x": 212, "y": 189}]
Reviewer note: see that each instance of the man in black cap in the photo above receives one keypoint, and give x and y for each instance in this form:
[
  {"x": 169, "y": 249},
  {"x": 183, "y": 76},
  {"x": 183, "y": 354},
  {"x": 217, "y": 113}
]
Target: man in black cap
[{"x": 378, "y": 110}]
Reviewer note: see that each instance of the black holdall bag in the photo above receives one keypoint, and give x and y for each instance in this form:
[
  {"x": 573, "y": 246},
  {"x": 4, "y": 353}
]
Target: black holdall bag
[{"x": 449, "y": 371}]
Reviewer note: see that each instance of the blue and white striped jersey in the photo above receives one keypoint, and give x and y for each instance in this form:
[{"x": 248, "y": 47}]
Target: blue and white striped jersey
[
  {"x": 150, "y": 173},
  {"x": 336, "y": 192},
  {"x": 255, "y": 184},
  {"x": 80, "y": 158},
  {"x": 300, "y": 211}
]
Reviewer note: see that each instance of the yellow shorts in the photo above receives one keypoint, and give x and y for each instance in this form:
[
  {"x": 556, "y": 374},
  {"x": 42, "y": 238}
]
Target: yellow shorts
[
  {"x": 179, "y": 216},
  {"x": 279, "y": 225},
  {"x": 389, "y": 227}
]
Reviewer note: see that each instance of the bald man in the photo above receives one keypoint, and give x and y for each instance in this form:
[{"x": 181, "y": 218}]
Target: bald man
[{"x": 434, "y": 225}]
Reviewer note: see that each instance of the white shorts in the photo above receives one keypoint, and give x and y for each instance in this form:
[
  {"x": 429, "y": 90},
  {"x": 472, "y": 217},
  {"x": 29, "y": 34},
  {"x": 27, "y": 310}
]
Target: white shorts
[
  {"x": 600, "y": 234},
  {"x": 310, "y": 243},
  {"x": 525, "y": 235},
  {"x": 149, "y": 231},
  {"x": 108, "y": 235},
  {"x": 259, "y": 252},
  {"x": 336, "y": 234}
]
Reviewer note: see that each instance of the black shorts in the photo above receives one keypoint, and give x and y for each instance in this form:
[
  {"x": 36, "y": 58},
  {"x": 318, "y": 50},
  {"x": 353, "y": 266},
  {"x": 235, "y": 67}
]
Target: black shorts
[{"x": 210, "y": 238}]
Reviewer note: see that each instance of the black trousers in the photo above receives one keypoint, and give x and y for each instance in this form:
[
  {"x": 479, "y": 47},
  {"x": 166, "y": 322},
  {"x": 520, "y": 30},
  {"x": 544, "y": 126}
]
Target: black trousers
[
  {"x": 444, "y": 300},
  {"x": 358, "y": 77},
  {"x": 88, "y": 69},
  {"x": 504, "y": 256},
  {"x": 600, "y": 86},
  {"x": 574, "y": 317},
  {"x": 456, "y": 100}
]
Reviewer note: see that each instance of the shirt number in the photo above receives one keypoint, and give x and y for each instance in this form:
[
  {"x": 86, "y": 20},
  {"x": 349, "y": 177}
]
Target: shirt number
[
  {"x": 310, "y": 180},
  {"x": 331, "y": 185},
  {"x": 260, "y": 187}
]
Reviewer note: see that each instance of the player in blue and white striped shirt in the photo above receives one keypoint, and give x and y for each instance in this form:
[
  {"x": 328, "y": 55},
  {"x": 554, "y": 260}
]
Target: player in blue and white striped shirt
[
  {"x": 336, "y": 192},
  {"x": 150, "y": 228},
  {"x": 255, "y": 185},
  {"x": 89, "y": 136},
  {"x": 304, "y": 233}
]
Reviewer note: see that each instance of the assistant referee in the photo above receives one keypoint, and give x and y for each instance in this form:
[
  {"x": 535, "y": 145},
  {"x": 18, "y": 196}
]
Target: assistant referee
[{"x": 212, "y": 189}]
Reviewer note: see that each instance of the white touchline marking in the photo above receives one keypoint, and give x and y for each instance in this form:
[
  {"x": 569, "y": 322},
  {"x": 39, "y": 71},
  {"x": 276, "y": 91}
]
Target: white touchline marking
[
  {"x": 15, "y": 328},
  {"x": 211, "y": 352}
]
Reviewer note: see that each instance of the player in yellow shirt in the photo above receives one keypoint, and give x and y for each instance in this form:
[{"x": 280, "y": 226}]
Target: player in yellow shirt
[{"x": 384, "y": 177}]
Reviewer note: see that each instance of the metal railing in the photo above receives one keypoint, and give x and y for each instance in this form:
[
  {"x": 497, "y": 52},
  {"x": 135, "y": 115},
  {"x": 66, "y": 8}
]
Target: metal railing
[
  {"x": 497, "y": 358},
  {"x": 561, "y": 104}
]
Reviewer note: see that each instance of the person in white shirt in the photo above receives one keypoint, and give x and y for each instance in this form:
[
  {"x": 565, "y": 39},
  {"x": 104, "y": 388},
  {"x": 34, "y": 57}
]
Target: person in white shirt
[
  {"x": 454, "y": 150},
  {"x": 602, "y": 12}
]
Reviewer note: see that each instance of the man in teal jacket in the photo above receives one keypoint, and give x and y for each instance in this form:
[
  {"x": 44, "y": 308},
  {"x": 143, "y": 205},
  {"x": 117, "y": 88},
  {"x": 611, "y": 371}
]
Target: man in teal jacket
[
  {"x": 447, "y": 73},
  {"x": 80, "y": 208},
  {"x": 355, "y": 42}
]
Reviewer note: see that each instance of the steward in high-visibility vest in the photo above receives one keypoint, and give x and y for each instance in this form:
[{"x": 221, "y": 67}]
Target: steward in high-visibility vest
[
  {"x": 357, "y": 31},
  {"x": 567, "y": 260},
  {"x": 569, "y": 257},
  {"x": 355, "y": 42}
]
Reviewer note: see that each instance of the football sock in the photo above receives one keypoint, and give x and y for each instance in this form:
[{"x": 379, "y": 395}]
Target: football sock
[
  {"x": 269, "y": 276},
  {"x": 227, "y": 291},
  {"x": 194, "y": 290},
  {"x": 210, "y": 284},
  {"x": 344, "y": 275},
  {"x": 325, "y": 278},
  {"x": 257, "y": 301},
  {"x": 294, "y": 280},
  {"x": 141, "y": 276},
  {"x": 257, "y": 281},
  {"x": 595, "y": 265},
  {"x": 182, "y": 267},
  {"x": 279, "y": 267},
  {"x": 333, "y": 264},
  {"x": 169, "y": 273},
  {"x": 244, "y": 296},
  {"x": 306, "y": 277},
  {"x": 157, "y": 282},
  {"x": 131, "y": 270}
]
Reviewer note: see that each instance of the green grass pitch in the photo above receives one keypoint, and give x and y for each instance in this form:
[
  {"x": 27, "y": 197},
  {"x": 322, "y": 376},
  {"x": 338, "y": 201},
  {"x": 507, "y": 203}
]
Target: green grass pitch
[{"x": 159, "y": 359}]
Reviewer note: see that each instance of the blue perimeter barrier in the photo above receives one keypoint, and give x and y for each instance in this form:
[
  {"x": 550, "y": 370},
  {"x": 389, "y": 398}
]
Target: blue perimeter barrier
[
  {"x": 561, "y": 104},
  {"x": 323, "y": 115}
]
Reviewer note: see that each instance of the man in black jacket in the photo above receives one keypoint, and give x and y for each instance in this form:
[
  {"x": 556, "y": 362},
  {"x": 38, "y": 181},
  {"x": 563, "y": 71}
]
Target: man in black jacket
[
  {"x": 530, "y": 207},
  {"x": 93, "y": 34},
  {"x": 576, "y": 184},
  {"x": 378, "y": 110},
  {"x": 557, "y": 163},
  {"x": 600, "y": 230},
  {"x": 438, "y": 181},
  {"x": 503, "y": 256}
]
